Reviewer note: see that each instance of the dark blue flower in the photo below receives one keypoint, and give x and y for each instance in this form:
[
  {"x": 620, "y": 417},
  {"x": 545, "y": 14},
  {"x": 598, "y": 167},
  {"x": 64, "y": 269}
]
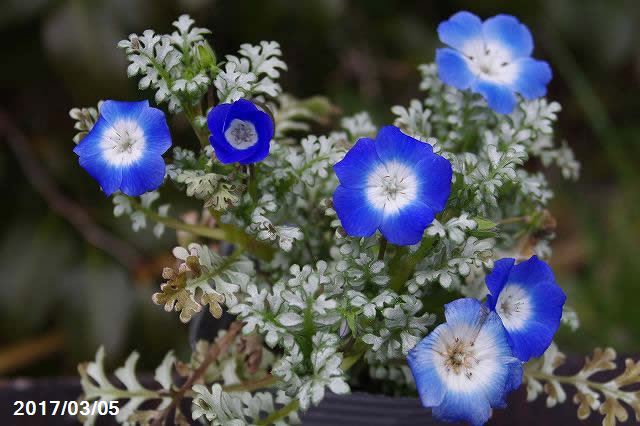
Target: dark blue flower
[
  {"x": 465, "y": 367},
  {"x": 395, "y": 183},
  {"x": 240, "y": 132},
  {"x": 123, "y": 151},
  {"x": 529, "y": 302},
  {"x": 492, "y": 58}
]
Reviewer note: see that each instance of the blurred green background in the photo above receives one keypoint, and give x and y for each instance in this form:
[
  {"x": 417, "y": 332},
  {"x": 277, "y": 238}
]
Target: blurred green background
[{"x": 60, "y": 297}]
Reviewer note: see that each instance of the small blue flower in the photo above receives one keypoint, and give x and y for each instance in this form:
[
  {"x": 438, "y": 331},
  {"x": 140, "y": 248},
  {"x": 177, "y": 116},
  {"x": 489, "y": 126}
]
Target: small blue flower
[
  {"x": 492, "y": 58},
  {"x": 395, "y": 183},
  {"x": 465, "y": 367},
  {"x": 240, "y": 132},
  {"x": 123, "y": 151},
  {"x": 529, "y": 302}
]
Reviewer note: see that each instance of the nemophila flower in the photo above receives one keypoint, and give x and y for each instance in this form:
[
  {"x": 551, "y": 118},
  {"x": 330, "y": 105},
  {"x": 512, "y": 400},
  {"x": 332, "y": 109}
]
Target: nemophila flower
[
  {"x": 492, "y": 58},
  {"x": 123, "y": 151},
  {"x": 240, "y": 132},
  {"x": 529, "y": 302},
  {"x": 395, "y": 183},
  {"x": 465, "y": 367}
]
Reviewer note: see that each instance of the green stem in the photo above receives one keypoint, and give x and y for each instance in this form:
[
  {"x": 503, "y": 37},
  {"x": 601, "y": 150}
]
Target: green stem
[
  {"x": 408, "y": 267},
  {"x": 280, "y": 414},
  {"x": 225, "y": 232},
  {"x": 202, "y": 231},
  {"x": 253, "y": 182},
  {"x": 383, "y": 247},
  {"x": 191, "y": 112},
  {"x": 251, "y": 386}
]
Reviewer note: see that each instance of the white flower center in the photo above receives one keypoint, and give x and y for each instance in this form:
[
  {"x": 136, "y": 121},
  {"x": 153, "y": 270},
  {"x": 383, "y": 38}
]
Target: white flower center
[
  {"x": 466, "y": 357},
  {"x": 490, "y": 61},
  {"x": 391, "y": 186},
  {"x": 241, "y": 134},
  {"x": 513, "y": 306},
  {"x": 123, "y": 143}
]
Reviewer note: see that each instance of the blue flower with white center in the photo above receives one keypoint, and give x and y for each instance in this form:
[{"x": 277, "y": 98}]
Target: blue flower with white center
[
  {"x": 492, "y": 58},
  {"x": 465, "y": 367},
  {"x": 123, "y": 151},
  {"x": 240, "y": 132},
  {"x": 395, "y": 183},
  {"x": 529, "y": 303}
]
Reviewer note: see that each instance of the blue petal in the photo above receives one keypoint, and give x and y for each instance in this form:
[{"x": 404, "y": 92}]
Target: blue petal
[
  {"x": 500, "y": 98},
  {"x": 533, "y": 77},
  {"x": 216, "y": 119},
  {"x": 353, "y": 170},
  {"x": 155, "y": 128},
  {"x": 108, "y": 176},
  {"x": 453, "y": 69},
  {"x": 531, "y": 271},
  {"x": 435, "y": 174},
  {"x": 459, "y": 406},
  {"x": 461, "y": 29},
  {"x": 113, "y": 111},
  {"x": 506, "y": 378},
  {"x": 462, "y": 312},
  {"x": 498, "y": 278},
  {"x": 392, "y": 144},
  {"x": 359, "y": 218},
  {"x": 531, "y": 341},
  {"x": 407, "y": 226},
  {"x": 420, "y": 359},
  {"x": 90, "y": 144},
  {"x": 239, "y": 109},
  {"x": 509, "y": 33},
  {"x": 264, "y": 127},
  {"x": 145, "y": 175}
]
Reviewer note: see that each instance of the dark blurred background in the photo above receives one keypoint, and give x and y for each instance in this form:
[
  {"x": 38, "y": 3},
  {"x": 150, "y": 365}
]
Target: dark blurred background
[{"x": 60, "y": 297}]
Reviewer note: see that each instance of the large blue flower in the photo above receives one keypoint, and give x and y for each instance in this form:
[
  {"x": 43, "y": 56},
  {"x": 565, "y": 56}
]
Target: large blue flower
[
  {"x": 465, "y": 367},
  {"x": 123, "y": 151},
  {"x": 395, "y": 183},
  {"x": 492, "y": 58},
  {"x": 240, "y": 132},
  {"x": 529, "y": 302}
]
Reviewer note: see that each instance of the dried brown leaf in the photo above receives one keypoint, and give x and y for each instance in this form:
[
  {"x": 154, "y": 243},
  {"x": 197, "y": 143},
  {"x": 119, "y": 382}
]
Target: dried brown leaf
[
  {"x": 613, "y": 410},
  {"x": 601, "y": 360}
]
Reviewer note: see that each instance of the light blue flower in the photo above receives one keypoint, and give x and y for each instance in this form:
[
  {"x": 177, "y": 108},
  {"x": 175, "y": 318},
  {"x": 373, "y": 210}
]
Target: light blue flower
[
  {"x": 123, "y": 151},
  {"x": 492, "y": 58},
  {"x": 529, "y": 302},
  {"x": 240, "y": 132},
  {"x": 395, "y": 183},
  {"x": 465, "y": 367}
]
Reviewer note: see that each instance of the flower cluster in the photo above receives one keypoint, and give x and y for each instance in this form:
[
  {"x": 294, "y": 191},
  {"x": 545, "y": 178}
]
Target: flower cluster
[
  {"x": 339, "y": 249},
  {"x": 469, "y": 364}
]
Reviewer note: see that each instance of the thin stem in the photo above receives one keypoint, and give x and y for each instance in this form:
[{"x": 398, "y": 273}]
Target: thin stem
[
  {"x": 573, "y": 380},
  {"x": 251, "y": 386},
  {"x": 280, "y": 414},
  {"x": 202, "y": 231},
  {"x": 406, "y": 270},
  {"x": 191, "y": 112},
  {"x": 253, "y": 182},
  {"x": 383, "y": 247},
  {"x": 510, "y": 220},
  {"x": 216, "y": 349}
]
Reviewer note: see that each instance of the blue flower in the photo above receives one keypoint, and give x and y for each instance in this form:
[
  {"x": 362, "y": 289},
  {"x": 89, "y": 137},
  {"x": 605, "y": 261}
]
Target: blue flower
[
  {"x": 240, "y": 132},
  {"x": 529, "y": 302},
  {"x": 395, "y": 183},
  {"x": 123, "y": 151},
  {"x": 465, "y": 367},
  {"x": 492, "y": 58}
]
